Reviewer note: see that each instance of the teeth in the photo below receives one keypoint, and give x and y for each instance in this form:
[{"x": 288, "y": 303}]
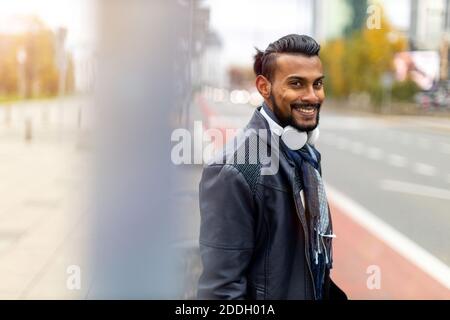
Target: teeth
[{"x": 308, "y": 111}]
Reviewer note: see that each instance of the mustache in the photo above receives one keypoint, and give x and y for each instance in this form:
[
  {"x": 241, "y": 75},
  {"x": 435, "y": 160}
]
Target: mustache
[{"x": 298, "y": 105}]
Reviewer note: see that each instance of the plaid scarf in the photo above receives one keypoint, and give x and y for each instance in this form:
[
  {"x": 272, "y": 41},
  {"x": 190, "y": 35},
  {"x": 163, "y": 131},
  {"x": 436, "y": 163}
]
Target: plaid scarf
[{"x": 317, "y": 213}]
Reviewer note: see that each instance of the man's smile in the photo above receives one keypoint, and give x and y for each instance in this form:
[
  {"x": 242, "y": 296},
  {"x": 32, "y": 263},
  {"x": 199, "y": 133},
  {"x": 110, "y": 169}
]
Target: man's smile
[{"x": 305, "y": 110}]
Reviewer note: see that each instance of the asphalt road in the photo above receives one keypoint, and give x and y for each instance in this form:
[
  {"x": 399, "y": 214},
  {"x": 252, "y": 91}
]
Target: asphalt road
[{"x": 396, "y": 168}]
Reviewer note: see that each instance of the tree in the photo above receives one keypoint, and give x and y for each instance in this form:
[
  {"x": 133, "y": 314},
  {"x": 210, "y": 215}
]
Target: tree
[
  {"x": 40, "y": 74},
  {"x": 358, "y": 62}
]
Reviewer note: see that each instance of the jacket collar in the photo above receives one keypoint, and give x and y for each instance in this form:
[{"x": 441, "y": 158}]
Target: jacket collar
[
  {"x": 274, "y": 126},
  {"x": 260, "y": 122}
]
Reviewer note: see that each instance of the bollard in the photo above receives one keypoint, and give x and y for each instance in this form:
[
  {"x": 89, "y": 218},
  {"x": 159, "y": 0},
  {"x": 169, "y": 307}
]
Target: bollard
[
  {"x": 28, "y": 130},
  {"x": 79, "y": 117}
]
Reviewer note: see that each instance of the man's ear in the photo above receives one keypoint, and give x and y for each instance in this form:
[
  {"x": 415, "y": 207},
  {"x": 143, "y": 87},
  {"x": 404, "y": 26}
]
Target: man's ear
[{"x": 264, "y": 86}]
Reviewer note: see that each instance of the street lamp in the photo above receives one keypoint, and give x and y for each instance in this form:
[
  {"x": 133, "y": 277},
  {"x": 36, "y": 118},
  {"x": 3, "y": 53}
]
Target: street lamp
[
  {"x": 61, "y": 63},
  {"x": 21, "y": 59}
]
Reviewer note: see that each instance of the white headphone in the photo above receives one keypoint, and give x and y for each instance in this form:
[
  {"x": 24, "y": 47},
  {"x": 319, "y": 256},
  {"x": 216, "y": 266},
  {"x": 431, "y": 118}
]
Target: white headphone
[
  {"x": 292, "y": 137},
  {"x": 295, "y": 139}
]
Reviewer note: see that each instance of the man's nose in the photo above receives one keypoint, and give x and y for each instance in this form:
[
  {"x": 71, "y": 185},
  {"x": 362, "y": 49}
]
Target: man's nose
[{"x": 310, "y": 96}]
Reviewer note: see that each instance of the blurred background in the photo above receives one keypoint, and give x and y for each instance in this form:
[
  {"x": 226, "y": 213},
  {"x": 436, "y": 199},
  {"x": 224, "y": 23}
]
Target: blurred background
[{"x": 91, "y": 92}]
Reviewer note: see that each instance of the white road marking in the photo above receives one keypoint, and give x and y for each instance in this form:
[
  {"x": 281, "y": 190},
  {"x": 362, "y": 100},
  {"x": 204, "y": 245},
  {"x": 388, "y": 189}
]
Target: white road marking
[
  {"x": 424, "y": 169},
  {"x": 324, "y": 137},
  {"x": 357, "y": 147},
  {"x": 415, "y": 189},
  {"x": 405, "y": 138},
  {"x": 396, "y": 240},
  {"x": 423, "y": 143},
  {"x": 328, "y": 138},
  {"x": 374, "y": 153},
  {"x": 397, "y": 160},
  {"x": 390, "y": 135},
  {"x": 342, "y": 143},
  {"x": 445, "y": 148}
]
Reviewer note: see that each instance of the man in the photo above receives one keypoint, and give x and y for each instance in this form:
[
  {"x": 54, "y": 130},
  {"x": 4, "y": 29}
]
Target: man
[{"x": 268, "y": 236}]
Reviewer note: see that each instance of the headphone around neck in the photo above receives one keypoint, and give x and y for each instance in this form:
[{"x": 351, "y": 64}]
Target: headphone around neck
[{"x": 295, "y": 139}]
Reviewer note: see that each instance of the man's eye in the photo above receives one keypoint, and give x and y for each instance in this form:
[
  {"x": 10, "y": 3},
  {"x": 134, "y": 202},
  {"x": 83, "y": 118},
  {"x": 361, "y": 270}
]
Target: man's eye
[
  {"x": 319, "y": 84},
  {"x": 296, "y": 83}
]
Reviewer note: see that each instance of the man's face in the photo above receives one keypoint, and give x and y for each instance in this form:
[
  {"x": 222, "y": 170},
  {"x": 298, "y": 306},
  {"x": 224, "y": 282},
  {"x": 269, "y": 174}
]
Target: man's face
[{"x": 297, "y": 90}]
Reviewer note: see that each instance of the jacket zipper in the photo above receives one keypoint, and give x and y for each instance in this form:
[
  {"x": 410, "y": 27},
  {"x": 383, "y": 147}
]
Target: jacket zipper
[{"x": 306, "y": 246}]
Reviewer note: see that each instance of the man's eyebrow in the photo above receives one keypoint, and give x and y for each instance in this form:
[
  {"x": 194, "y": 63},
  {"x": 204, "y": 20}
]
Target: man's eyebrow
[{"x": 303, "y": 78}]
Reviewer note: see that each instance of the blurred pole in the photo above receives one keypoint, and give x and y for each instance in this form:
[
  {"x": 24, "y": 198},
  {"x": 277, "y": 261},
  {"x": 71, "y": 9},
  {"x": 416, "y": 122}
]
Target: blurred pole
[
  {"x": 387, "y": 81},
  {"x": 317, "y": 20},
  {"x": 61, "y": 61},
  {"x": 445, "y": 44},
  {"x": 447, "y": 17},
  {"x": 21, "y": 85},
  {"x": 28, "y": 130},
  {"x": 413, "y": 29},
  {"x": 79, "y": 116},
  {"x": 444, "y": 58},
  {"x": 133, "y": 227}
]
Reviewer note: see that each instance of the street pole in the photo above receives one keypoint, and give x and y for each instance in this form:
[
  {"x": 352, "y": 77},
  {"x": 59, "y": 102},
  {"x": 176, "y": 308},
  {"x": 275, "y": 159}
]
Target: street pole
[
  {"x": 133, "y": 222},
  {"x": 61, "y": 62},
  {"x": 21, "y": 60}
]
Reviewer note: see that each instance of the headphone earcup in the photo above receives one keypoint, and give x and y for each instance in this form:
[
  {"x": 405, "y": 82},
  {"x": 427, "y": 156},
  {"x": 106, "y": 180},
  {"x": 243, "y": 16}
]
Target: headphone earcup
[
  {"x": 293, "y": 138},
  {"x": 313, "y": 136}
]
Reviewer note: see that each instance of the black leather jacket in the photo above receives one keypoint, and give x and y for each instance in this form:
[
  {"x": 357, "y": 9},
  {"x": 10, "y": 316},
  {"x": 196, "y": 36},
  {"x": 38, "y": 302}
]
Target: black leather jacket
[{"x": 253, "y": 233}]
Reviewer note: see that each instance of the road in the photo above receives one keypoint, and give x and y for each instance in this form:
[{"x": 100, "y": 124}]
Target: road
[{"x": 395, "y": 171}]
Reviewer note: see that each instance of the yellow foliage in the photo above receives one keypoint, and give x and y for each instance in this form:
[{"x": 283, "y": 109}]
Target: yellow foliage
[
  {"x": 40, "y": 71},
  {"x": 357, "y": 63}
]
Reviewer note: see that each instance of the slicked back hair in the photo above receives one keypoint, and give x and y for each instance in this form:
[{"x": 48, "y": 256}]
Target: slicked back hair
[{"x": 265, "y": 61}]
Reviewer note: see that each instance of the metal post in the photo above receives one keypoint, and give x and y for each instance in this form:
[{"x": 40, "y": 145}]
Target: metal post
[
  {"x": 61, "y": 61},
  {"x": 132, "y": 222},
  {"x": 28, "y": 130}
]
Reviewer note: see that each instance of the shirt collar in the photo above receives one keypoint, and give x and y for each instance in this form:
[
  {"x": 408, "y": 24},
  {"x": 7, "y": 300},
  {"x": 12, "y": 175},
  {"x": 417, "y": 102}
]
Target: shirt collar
[{"x": 274, "y": 126}]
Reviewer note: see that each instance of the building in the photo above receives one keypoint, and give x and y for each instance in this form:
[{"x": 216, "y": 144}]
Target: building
[
  {"x": 330, "y": 18},
  {"x": 427, "y": 24}
]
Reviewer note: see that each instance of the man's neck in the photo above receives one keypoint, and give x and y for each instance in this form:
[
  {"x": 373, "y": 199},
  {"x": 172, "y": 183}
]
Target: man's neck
[{"x": 270, "y": 113}]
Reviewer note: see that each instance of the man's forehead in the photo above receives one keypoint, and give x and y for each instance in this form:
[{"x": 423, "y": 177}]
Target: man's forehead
[{"x": 298, "y": 64}]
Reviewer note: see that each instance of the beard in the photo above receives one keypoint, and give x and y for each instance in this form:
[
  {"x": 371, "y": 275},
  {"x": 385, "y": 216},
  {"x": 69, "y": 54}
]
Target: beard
[{"x": 290, "y": 121}]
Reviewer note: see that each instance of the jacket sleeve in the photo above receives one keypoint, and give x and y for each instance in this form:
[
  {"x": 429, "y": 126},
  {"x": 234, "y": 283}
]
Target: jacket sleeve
[{"x": 226, "y": 233}]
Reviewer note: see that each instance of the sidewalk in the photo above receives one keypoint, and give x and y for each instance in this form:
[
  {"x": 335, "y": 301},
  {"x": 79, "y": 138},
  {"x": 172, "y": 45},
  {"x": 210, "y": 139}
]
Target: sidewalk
[
  {"x": 41, "y": 216},
  {"x": 356, "y": 250}
]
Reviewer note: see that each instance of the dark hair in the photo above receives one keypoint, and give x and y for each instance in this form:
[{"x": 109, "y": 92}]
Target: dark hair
[{"x": 293, "y": 43}]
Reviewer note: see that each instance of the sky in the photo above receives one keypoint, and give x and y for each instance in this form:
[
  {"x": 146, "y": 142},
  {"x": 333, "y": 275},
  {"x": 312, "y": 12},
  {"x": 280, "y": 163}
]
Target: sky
[
  {"x": 76, "y": 15},
  {"x": 245, "y": 24},
  {"x": 241, "y": 24}
]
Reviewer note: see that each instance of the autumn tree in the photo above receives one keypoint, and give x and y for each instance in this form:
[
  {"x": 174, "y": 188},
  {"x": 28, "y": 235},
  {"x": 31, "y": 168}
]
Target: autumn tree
[
  {"x": 39, "y": 70},
  {"x": 358, "y": 62}
]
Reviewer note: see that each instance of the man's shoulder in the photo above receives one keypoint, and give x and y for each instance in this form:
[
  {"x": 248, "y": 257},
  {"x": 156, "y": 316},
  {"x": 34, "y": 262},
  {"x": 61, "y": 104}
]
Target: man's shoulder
[
  {"x": 238, "y": 157},
  {"x": 243, "y": 149}
]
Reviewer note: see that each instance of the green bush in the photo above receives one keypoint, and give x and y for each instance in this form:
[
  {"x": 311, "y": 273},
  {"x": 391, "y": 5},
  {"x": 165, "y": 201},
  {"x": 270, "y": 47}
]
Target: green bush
[{"x": 404, "y": 91}]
